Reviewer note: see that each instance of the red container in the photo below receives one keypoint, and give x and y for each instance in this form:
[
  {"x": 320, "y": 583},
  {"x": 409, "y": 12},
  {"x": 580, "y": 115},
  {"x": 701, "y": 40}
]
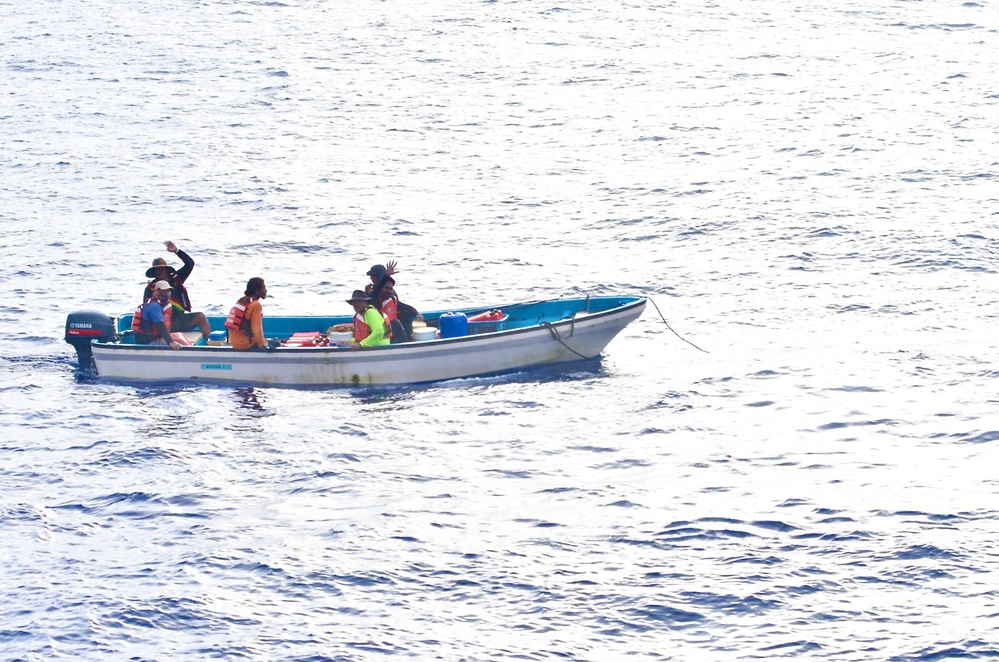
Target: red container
[{"x": 303, "y": 339}]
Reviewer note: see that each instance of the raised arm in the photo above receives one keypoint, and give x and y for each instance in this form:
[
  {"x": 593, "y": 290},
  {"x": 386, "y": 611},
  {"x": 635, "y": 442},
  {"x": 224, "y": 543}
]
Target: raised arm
[{"x": 184, "y": 271}]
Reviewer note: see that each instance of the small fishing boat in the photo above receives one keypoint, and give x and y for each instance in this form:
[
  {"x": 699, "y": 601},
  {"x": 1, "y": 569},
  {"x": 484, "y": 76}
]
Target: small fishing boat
[{"x": 520, "y": 335}]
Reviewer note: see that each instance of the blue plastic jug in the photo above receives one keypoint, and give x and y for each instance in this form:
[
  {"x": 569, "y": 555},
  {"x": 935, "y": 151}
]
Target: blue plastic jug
[{"x": 453, "y": 325}]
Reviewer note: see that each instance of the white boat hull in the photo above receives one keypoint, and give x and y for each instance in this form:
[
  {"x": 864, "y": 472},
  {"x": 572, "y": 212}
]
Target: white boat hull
[{"x": 568, "y": 340}]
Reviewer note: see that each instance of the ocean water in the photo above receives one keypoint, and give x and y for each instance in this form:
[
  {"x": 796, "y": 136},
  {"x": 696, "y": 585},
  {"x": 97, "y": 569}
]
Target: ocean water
[{"x": 808, "y": 193}]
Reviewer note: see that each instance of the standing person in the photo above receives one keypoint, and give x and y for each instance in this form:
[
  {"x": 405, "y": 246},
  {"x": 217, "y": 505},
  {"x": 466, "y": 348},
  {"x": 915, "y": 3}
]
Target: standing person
[
  {"x": 245, "y": 322},
  {"x": 183, "y": 319},
  {"x": 378, "y": 275},
  {"x": 153, "y": 326},
  {"x": 370, "y": 328}
]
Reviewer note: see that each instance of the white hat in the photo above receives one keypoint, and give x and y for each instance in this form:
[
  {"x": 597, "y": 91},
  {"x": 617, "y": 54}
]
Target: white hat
[{"x": 162, "y": 285}]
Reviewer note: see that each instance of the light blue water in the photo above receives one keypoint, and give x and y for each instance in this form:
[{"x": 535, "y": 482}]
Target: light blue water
[{"x": 808, "y": 193}]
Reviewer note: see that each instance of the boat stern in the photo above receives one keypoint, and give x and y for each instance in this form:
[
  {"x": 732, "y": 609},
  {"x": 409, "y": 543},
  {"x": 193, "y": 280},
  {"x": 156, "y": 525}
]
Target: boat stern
[{"x": 85, "y": 326}]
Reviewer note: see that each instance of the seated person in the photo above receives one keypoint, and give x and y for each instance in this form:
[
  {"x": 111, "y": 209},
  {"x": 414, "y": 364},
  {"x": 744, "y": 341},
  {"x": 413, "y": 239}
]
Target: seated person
[
  {"x": 183, "y": 319},
  {"x": 153, "y": 327},
  {"x": 381, "y": 289},
  {"x": 245, "y": 322},
  {"x": 399, "y": 315},
  {"x": 370, "y": 327}
]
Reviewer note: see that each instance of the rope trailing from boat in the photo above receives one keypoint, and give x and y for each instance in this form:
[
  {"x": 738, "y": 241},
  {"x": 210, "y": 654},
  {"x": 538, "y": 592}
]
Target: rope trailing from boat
[
  {"x": 674, "y": 332},
  {"x": 558, "y": 337}
]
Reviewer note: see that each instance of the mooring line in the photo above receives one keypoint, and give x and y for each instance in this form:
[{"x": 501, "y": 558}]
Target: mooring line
[
  {"x": 671, "y": 328},
  {"x": 557, "y": 336}
]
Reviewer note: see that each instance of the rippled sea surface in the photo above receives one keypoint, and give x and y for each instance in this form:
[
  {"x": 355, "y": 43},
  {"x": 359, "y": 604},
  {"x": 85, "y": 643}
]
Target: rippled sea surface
[{"x": 808, "y": 192}]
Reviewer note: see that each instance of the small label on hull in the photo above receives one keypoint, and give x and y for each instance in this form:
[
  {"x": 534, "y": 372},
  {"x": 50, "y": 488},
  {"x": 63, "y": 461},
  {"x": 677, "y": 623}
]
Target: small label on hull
[{"x": 216, "y": 366}]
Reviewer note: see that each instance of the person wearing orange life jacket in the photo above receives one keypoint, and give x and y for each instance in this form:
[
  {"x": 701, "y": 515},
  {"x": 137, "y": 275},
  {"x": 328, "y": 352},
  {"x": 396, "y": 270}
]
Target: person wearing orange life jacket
[
  {"x": 154, "y": 325},
  {"x": 370, "y": 328},
  {"x": 183, "y": 318},
  {"x": 400, "y": 316},
  {"x": 386, "y": 299},
  {"x": 137, "y": 316},
  {"x": 245, "y": 322},
  {"x": 389, "y": 303}
]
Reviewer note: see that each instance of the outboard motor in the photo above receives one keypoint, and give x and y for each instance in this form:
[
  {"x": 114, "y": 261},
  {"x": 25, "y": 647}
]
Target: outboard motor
[{"x": 84, "y": 326}]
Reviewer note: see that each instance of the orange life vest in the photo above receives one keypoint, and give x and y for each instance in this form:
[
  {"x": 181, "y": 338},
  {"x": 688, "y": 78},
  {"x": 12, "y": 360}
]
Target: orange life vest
[
  {"x": 237, "y": 317},
  {"x": 390, "y": 308},
  {"x": 137, "y": 317},
  {"x": 362, "y": 330}
]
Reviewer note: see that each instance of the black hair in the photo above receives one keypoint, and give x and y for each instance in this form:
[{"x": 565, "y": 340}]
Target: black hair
[{"x": 253, "y": 285}]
